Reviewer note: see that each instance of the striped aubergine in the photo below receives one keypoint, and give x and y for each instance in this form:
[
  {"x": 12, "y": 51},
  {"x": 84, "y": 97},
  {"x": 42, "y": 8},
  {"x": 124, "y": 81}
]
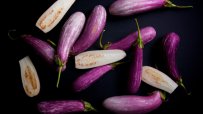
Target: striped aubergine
[
  {"x": 130, "y": 7},
  {"x": 93, "y": 28}
]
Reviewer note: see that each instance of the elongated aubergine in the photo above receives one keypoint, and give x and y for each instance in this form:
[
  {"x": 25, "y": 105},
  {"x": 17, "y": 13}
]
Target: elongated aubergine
[
  {"x": 147, "y": 33},
  {"x": 170, "y": 46},
  {"x": 133, "y": 104},
  {"x": 88, "y": 78},
  {"x": 93, "y": 28},
  {"x": 136, "y": 66},
  {"x": 64, "y": 107},
  {"x": 130, "y": 7},
  {"x": 69, "y": 34}
]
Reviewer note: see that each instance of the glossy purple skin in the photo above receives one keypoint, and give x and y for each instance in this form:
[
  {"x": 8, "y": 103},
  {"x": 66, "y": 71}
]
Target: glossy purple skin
[
  {"x": 93, "y": 28},
  {"x": 132, "y": 104},
  {"x": 130, "y": 7},
  {"x": 170, "y": 43},
  {"x": 69, "y": 34},
  {"x": 44, "y": 49},
  {"x": 136, "y": 71},
  {"x": 61, "y": 107},
  {"x": 147, "y": 33},
  {"x": 87, "y": 79}
]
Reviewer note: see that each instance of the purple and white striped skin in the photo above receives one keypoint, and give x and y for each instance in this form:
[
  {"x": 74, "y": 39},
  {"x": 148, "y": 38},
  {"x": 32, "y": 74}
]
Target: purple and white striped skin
[
  {"x": 88, "y": 78},
  {"x": 64, "y": 107},
  {"x": 93, "y": 28},
  {"x": 130, "y": 7},
  {"x": 136, "y": 71},
  {"x": 44, "y": 49},
  {"x": 136, "y": 66},
  {"x": 171, "y": 43},
  {"x": 69, "y": 34},
  {"x": 132, "y": 104},
  {"x": 148, "y": 34}
]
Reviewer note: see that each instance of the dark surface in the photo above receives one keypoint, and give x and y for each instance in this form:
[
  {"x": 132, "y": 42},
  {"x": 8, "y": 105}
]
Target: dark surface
[{"x": 186, "y": 22}]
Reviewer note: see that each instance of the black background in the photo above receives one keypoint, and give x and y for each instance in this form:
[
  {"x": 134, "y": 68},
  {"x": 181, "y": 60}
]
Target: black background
[{"x": 23, "y": 14}]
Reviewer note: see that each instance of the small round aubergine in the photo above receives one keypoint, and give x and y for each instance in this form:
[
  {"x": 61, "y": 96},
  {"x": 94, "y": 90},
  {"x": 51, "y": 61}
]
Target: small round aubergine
[
  {"x": 147, "y": 33},
  {"x": 130, "y": 7},
  {"x": 64, "y": 107},
  {"x": 132, "y": 104},
  {"x": 69, "y": 34},
  {"x": 93, "y": 28},
  {"x": 170, "y": 46}
]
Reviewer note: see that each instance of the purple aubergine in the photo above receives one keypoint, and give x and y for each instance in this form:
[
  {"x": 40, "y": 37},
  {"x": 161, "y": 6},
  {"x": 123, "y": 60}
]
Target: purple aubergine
[
  {"x": 130, "y": 7},
  {"x": 148, "y": 34},
  {"x": 132, "y": 104},
  {"x": 44, "y": 49},
  {"x": 64, "y": 107},
  {"x": 93, "y": 28},
  {"x": 69, "y": 34},
  {"x": 170, "y": 46},
  {"x": 136, "y": 66},
  {"x": 87, "y": 79}
]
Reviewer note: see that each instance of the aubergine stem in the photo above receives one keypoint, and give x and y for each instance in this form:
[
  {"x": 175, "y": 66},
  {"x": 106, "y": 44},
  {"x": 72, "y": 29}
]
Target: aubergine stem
[
  {"x": 88, "y": 106},
  {"x": 116, "y": 64},
  {"x": 169, "y": 4},
  {"x": 105, "y": 46},
  {"x": 180, "y": 82},
  {"x": 10, "y": 36},
  {"x": 51, "y": 42},
  {"x": 139, "y": 41},
  {"x": 163, "y": 95},
  {"x": 60, "y": 64}
]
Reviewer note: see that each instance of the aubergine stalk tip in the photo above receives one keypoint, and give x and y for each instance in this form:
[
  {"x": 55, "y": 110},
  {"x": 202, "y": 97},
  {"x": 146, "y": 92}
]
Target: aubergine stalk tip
[
  {"x": 130, "y": 7},
  {"x": 64, "y": 107},
  {"x": 136, "y": 66},
  {"x": 69, "y": 34},
  {"x": 170, "y": 46}
]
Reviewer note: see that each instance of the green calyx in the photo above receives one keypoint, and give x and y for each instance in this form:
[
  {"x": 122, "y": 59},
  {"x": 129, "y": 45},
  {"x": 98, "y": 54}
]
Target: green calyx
[
  {"x": 139, "y": 41},
  {"x": 163, "y": 95},
  {"x": 169, "y": 4},
  {"x": 180, "y": 82},
  {"x": 60, "y": 64},
  {"x": 116, "y": 64},
  {"x": 51, "y": 42},
  {"x": 88, "y": 106}
]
